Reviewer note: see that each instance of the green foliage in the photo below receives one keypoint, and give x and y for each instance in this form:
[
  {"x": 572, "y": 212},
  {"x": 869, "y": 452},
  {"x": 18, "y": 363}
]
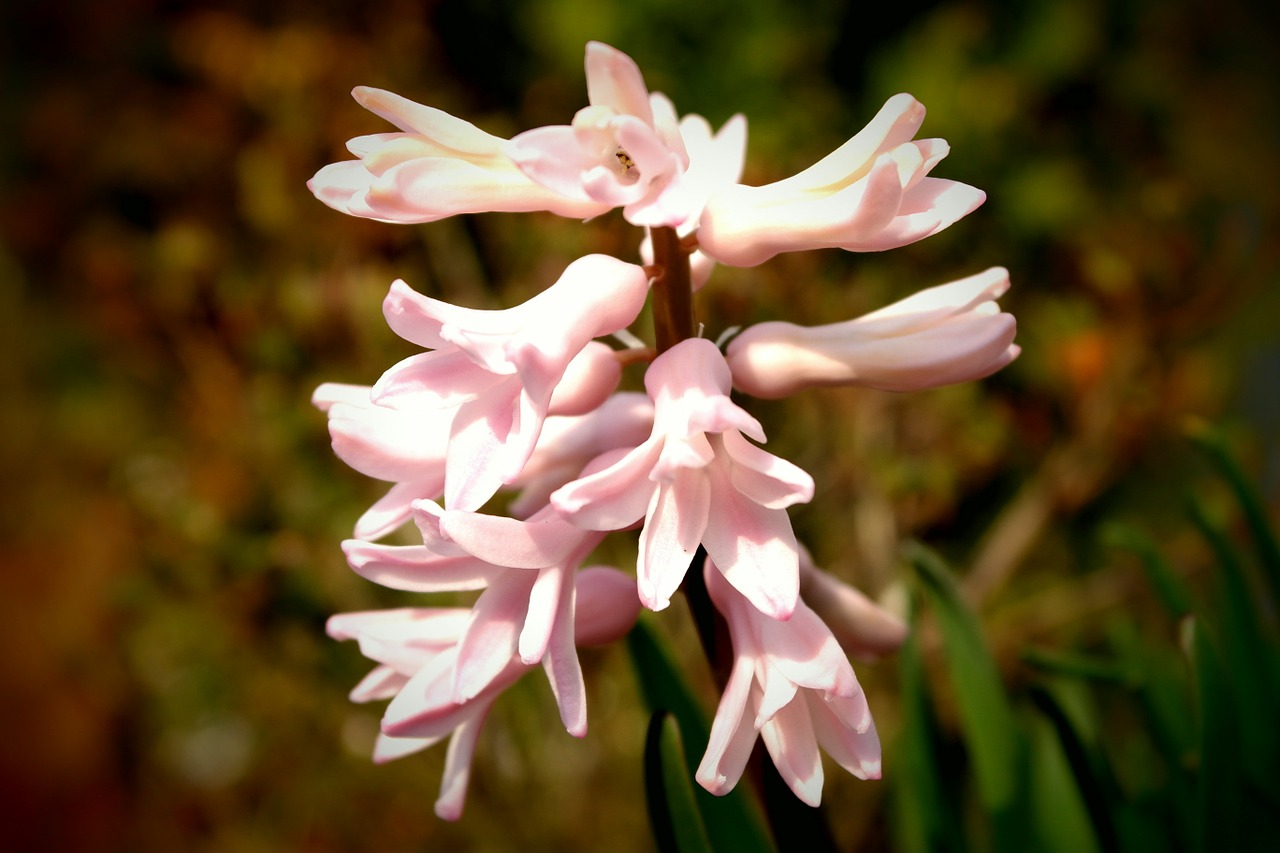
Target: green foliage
[
  {"x": 673, "y": 811},
  {"x": 1192, "y": 770}
]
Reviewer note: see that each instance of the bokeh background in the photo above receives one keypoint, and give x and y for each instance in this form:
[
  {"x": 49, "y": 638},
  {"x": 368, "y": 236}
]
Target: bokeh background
[{"x": 171, "y": 294}]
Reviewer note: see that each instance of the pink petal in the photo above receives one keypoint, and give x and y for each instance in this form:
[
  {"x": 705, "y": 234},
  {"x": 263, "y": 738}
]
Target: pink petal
[
  {"x": 614, "y": 80},
  {"x": 543, "y": 608},
  {"x": 732, "y": 735},
  {"x": 614, "y": 498},
  {"x": 329, "y": 393},
  {"x": 563, "y": 669},
  {"x": 895, "y": 123},
  {"x": 490, "y": 642},
  {"x": 386, "y": 444},
  {"x": 394, "y": 508},
  {"x": 387, "y": 749},
  {"x": 673, "y": 527},
  {"x": 421, "y": 320},
  {"x": 457, "y": 764},
  {"x": 443, "y": 378},
  {"x": 475, "y": 448},
  {"x": 753, "y": 547},
  {"x": 427, "y": 189},
  {"x": 551, "y": 157},
  {"x": 855, "y": 749},
  {"x": 415, "y": 568},
  {"x": 539, "y": 542},
  {"x": 792, "y": 744},
  {"x": 336, "y": 183},
  {"x": 932, "y": 206},
  {"x": 446, "y": 130},
  {"x": 804, "y": 650},
  {"x": 382, "y": 682},
  {"x": 768, "y": 480}
]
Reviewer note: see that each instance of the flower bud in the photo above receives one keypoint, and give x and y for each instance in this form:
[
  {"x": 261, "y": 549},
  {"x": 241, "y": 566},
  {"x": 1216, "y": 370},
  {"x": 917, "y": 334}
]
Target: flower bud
[{"x": 946, "y": 334}]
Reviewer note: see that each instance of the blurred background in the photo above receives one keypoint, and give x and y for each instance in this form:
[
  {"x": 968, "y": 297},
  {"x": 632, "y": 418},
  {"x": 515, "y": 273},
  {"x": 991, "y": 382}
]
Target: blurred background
[{"x": 170, "y": 294}]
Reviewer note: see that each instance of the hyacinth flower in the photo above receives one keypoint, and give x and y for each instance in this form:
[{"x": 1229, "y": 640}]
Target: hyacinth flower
[
  {"x": 435, "y": 166},
  {"x": 526, "y": 571},
  {"x": 628, "y": 148},
  {"x": 950, "y": 333},
  {"x": 525, "y": 399},
  {"x": 868, "y": 195},
  {"x": 697, "y": 480},
  {"x": 500, "y": 369},
  {"x": 417, "y": 650},
  {"x": 792, "y": 686}
]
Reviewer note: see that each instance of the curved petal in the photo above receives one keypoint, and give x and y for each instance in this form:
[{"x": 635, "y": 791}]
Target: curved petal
[
  {"x": 490, "y": 641},
  {"x": 473, "y": 464},
  {"x": 562, "y": 667},
  {"x": 439, "y": 379},
  {"x": 933, "y": 205},
  {"x": 855, "y": 748},
  {"x": 674, "y": 525},
  {"x": 614, "y": 80},
  {"x": 415, "y": 568},
  {"x": 770, "y": 481},
  {"x": 387, "y": 444},
  {"x": 792, "y": 744},
  {"x": 390, "y": 748},
  {"x": 732, "y": 735},
  {"x": 753, "y": 547},
  {"x": 543, "y": 609},
  {"x": 457, "y": 763},
  {"x": 539, "y": 542},
  {"x": 614, "y": 498},
  {"x": 396, "y": 507}
]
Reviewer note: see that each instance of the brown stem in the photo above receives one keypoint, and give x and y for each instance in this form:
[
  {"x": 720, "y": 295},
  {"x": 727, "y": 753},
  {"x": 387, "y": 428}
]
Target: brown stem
[{"x": 672, "y": 290}]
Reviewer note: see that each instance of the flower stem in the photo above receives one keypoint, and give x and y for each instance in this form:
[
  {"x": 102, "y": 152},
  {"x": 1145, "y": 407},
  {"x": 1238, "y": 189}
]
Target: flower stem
[{"x": 672, "y": 290}]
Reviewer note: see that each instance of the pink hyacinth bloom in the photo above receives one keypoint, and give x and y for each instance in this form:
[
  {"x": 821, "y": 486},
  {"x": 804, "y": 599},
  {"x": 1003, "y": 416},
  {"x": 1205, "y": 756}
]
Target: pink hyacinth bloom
[
  {"x": 417, "y": 651},
  {"x": 868, "y": 195},
  {"x": 697, "y": 480},
  {"x": 792, "y": 685},
  {"x": 627, "y": 148},
  {"x": 404, "y": 448},
  {"x": 526, "y": 569},
  {"x": 502, "y": 369},
  {"x": 437, "y": 166},
  {"x": 946, "y": 334}
]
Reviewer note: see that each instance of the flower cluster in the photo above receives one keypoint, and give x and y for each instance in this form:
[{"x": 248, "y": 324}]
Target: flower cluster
[{"x": 525, "y": 400}]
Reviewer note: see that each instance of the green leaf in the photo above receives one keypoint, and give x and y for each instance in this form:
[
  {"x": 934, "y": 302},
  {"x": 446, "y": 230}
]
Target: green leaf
[
  {"x": 673, "y": 809},
  {"x": 1082, "y": 666},
  {"x": 1220, "y": 786},
  {"x": 1248, "y": 653},
  {"x": 1092, "y": 792},
  {"x": 924, "y": 818},
  {"x": 731, "y": 822},
  {"x": 1214, "y": 444},
  {"x": 1173, "y": 591},
  {"x": 991, "y": 734}
]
